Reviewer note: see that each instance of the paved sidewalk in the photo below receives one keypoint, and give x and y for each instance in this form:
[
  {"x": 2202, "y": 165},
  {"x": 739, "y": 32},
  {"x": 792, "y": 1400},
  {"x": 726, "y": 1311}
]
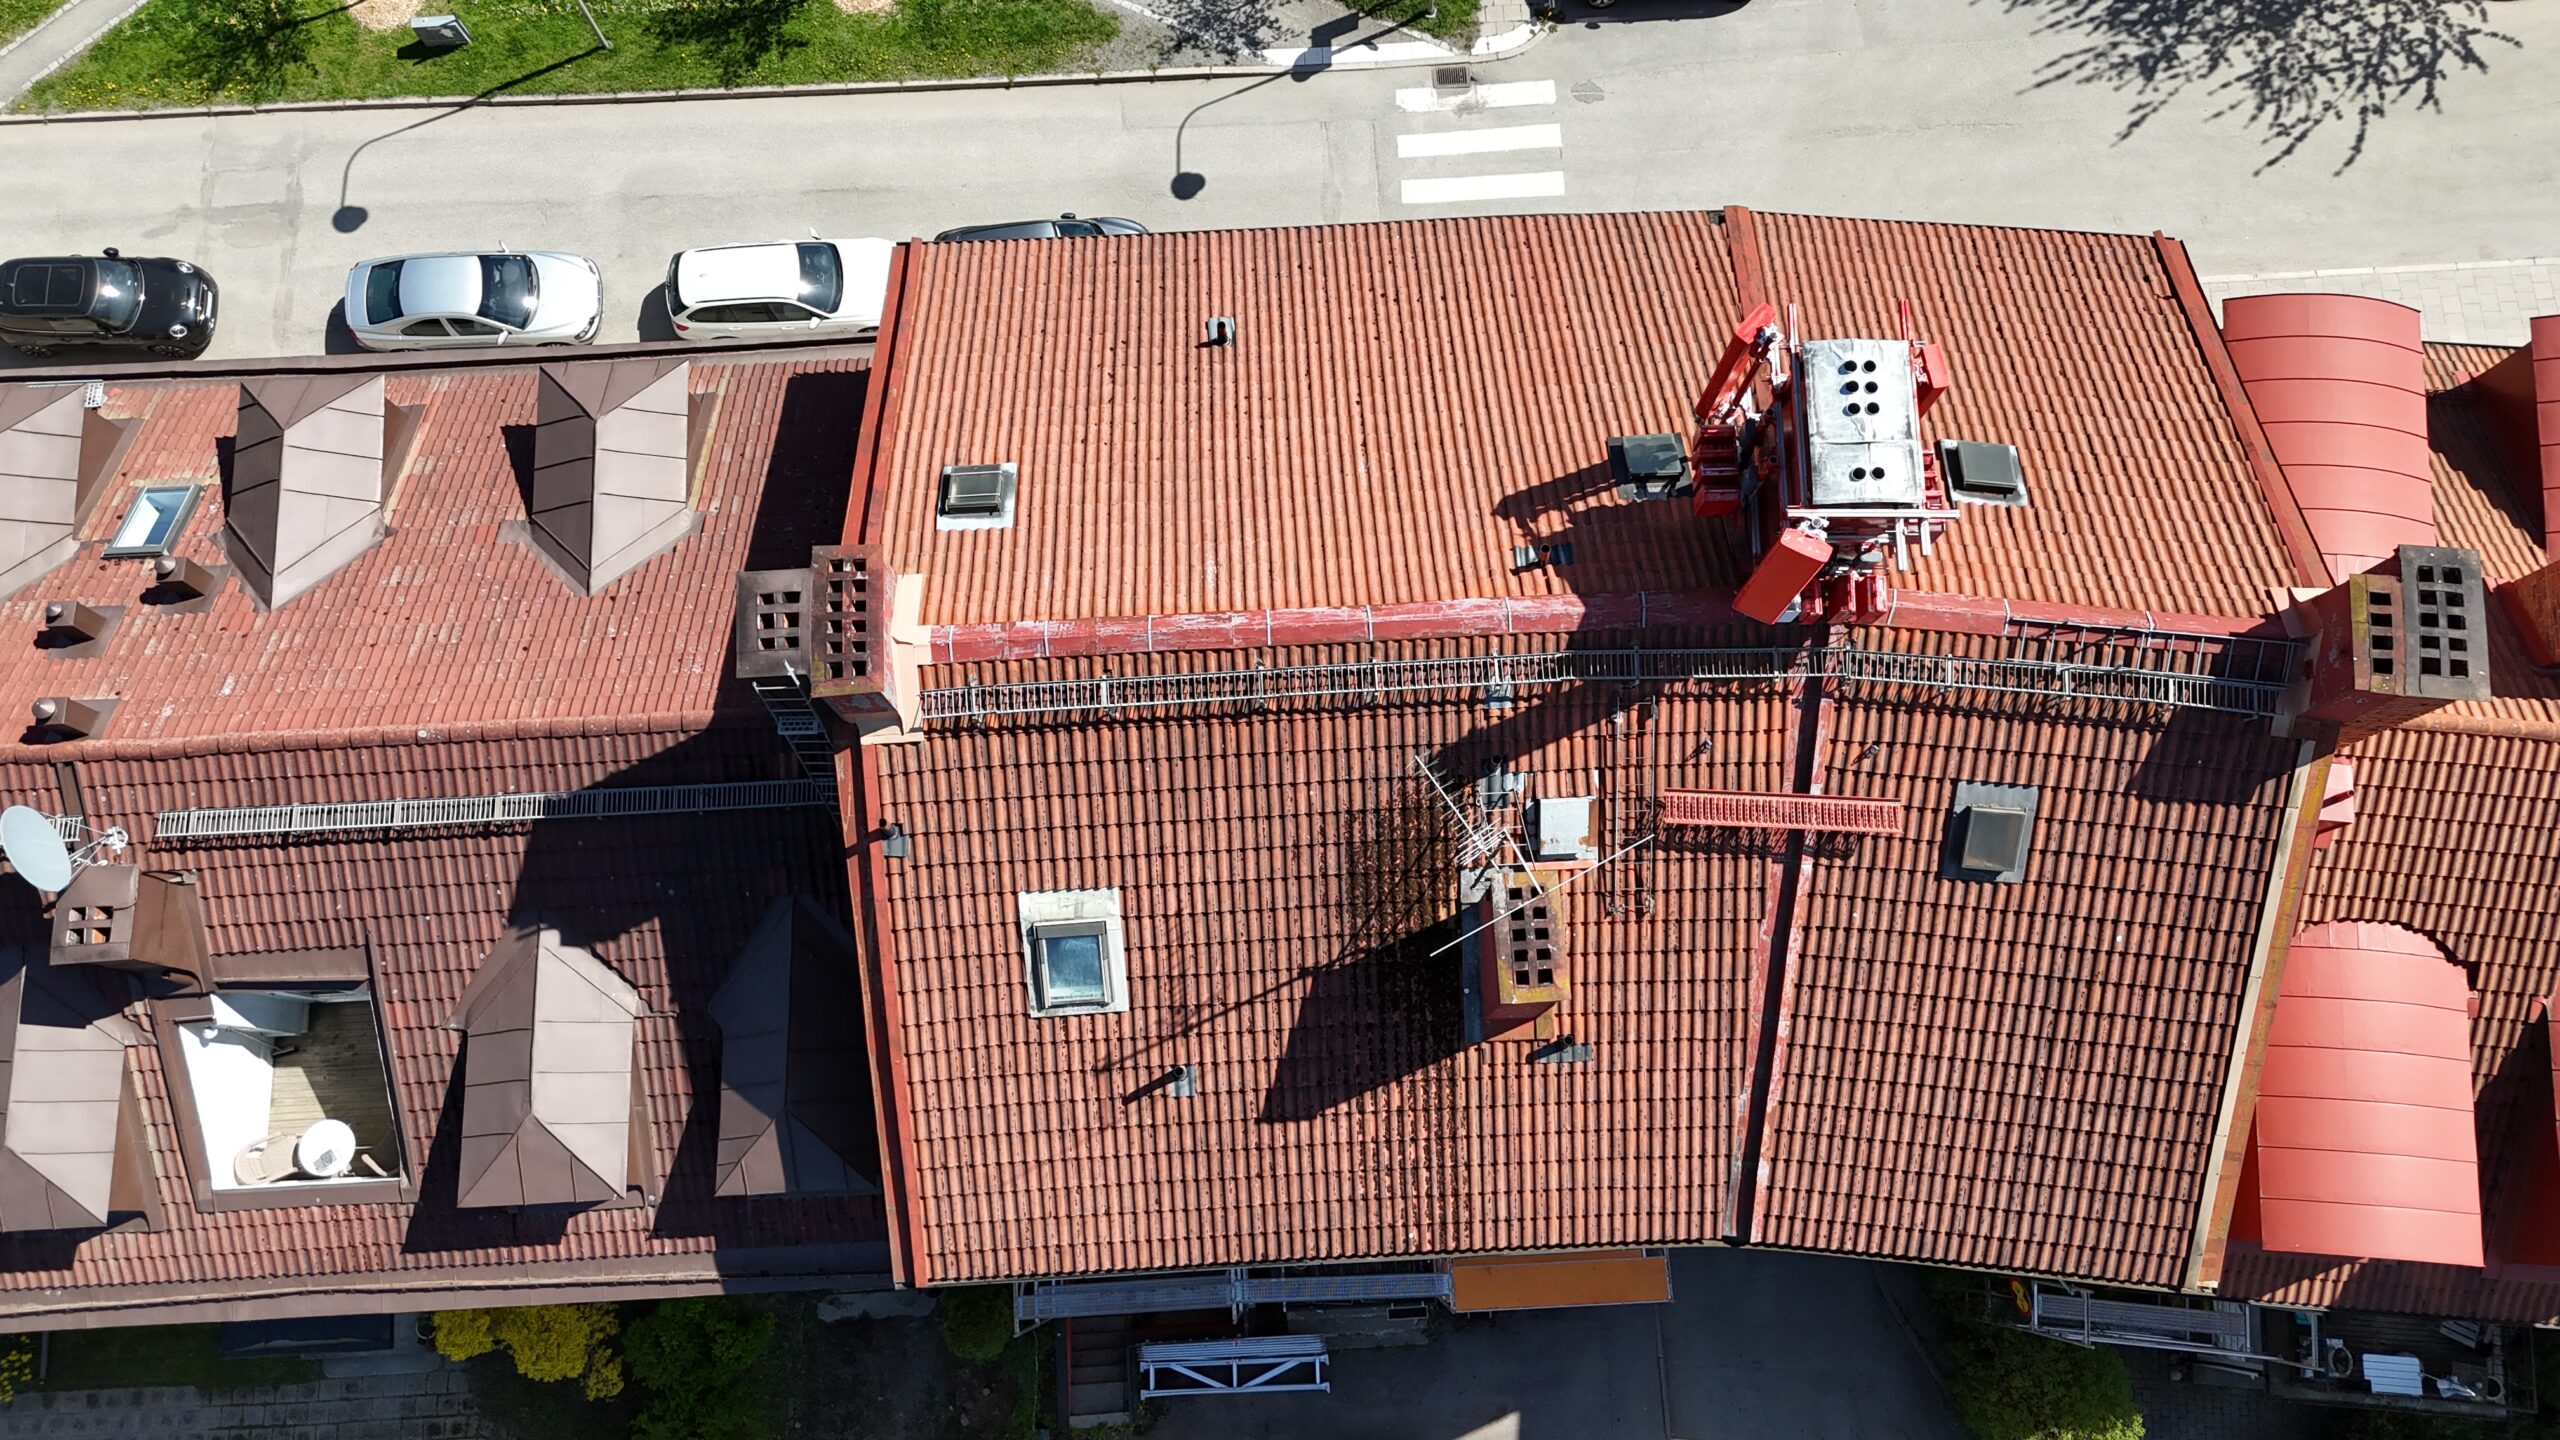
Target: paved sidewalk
[
  {"x": 66, "y": 33},
  {"x": 2484, "y": 302},
  {"x": 432, "y": 1406}
]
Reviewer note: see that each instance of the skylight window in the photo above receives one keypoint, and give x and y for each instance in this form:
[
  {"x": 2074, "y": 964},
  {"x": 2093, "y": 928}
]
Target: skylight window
[
  {"x": 1070, "y": 972},
  {"x": 975, "y": 497},
  {"x": 1074, "y": 959},
  {"x": 158, "y": 515}
]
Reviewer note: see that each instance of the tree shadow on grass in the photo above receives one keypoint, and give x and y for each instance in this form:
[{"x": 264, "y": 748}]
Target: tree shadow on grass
[
  {"x": 736, "y": 36},
  {"x": 248, "y": 49},
  {"x": 2289, "y": 67}
]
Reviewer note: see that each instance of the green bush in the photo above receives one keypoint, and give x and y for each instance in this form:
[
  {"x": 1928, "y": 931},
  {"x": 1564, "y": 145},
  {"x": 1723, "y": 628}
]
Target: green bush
[
  {"x": 977, "y": 1322},
  {"x": 693, "y": 1357},
  {"x": 2009, "y": 1385}
]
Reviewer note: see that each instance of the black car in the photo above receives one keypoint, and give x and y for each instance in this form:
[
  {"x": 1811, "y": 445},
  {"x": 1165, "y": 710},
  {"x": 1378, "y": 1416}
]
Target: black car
[
  {"x": 163, "y": 306},
  {"x": 1045, "y": 229}
]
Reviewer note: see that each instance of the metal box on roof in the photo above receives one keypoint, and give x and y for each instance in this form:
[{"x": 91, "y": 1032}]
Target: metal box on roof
[
  {"x": 1564, "y": 828},
  {"x": 1859, "y": 390},
  {"x": 1649, "y": 467}
]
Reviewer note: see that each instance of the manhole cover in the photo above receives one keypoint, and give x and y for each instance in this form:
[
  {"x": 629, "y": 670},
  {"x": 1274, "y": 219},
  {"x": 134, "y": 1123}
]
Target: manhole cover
[{"x": 1452, "y": 77}]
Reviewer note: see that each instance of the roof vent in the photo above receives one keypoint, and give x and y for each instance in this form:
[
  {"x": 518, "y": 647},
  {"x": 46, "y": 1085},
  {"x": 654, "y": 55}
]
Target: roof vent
[
  {"x": 181, "y": 586},
  {"x": 1222, "y": 331},
  {"x": 1989, "y": 834},
  {"x": 1982, "y": 474},
  {"x": 975, "y": 497},
  {"x": 1649, "y": 467},
  {"x": 73, "y": 630},
  {"x": 59, "y": 717}
]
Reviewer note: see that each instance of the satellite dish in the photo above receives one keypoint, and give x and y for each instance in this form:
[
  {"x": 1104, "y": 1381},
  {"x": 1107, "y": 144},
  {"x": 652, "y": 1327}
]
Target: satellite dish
[{"x": 35, "y": 848}]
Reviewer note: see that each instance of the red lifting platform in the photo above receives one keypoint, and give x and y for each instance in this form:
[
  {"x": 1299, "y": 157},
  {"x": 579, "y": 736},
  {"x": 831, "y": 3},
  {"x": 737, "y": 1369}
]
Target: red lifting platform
[{"x": 1821, "y": 814}]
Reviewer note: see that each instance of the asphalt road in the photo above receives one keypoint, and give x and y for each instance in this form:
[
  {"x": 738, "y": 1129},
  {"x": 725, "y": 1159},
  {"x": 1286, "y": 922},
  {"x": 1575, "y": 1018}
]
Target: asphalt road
[{"x": 1943, "y": 110}]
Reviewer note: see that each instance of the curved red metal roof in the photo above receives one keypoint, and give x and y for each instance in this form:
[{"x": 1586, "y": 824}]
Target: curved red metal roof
[
  {"x": 2364, "y": 1145},
  {"x": 2339, "y": 383}
]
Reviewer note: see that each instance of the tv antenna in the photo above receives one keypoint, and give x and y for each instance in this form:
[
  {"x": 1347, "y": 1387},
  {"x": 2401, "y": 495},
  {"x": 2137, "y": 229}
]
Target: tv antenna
[{"x": 43, "y": 856}]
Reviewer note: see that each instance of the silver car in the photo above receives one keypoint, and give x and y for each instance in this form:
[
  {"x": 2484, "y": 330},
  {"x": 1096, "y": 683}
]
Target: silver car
[{"x": 503, "y": 297}]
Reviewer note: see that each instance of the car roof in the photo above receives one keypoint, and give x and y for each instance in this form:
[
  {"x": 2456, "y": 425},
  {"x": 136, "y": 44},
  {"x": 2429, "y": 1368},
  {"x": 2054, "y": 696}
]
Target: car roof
[
  {"x": 717, "y": 274},
  {"x": 1009, "y": 230},
  {"x": 440, "y": 285},
  {"x": 52, "y": 285}
]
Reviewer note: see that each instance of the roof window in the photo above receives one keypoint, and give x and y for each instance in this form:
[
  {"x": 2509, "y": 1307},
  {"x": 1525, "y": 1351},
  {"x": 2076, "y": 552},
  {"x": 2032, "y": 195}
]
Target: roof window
[
  {"x": 1989, "y": 833},
  {"x": 153, "y": 524},
  {"x": 1074, "y": 956},
  {"x": 975, "y": 497}
]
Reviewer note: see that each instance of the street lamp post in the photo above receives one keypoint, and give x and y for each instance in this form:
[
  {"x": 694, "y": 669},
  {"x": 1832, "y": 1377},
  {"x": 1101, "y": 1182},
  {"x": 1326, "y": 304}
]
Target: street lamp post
[{"x": 592, "y": 25}]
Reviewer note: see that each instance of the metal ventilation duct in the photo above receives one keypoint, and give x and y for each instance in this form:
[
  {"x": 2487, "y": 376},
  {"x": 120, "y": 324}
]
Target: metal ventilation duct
[{"x": 2339, "y": 384}]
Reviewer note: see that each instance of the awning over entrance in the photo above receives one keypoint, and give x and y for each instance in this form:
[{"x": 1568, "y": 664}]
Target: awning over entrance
[
  {"x": 1536, "y": 1282},
  {"x": 2363, "y": 1146}
]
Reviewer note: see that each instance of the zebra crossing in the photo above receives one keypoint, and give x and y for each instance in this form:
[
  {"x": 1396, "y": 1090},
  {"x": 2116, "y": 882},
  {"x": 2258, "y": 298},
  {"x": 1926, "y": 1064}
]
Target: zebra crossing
[{"x": 1456, "y": 137}]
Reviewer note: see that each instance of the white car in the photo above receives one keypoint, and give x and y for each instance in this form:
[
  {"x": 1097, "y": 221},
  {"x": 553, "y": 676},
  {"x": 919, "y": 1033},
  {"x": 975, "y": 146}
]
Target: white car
[
  {"x": 503, "y": 297},
  {"x": 787, "y": 290}
]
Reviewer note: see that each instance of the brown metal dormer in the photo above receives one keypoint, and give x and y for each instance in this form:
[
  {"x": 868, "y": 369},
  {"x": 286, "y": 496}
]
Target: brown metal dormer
[
  {"x": 57, "y": 460},
  {"x": 795, "y": 1091},
  {"x": 552, "y": 1108},
  {"x": 312, "y": 470},
  {"x": 616, "y": 447}
]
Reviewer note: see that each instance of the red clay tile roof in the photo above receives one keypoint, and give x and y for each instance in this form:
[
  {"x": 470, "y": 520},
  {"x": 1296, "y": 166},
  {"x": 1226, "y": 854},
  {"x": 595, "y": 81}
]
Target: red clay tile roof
[
  {"x": 2071, "y": 347},
  {"x": 445, "y": 623},
  {"x": 2453, "y": 838},
  {"x": 1406, "y": 402},
  {"x": 667, "y": 916},
  {"x": 1279, "y": 886},
  {"x": 2022, "y": 1076}
]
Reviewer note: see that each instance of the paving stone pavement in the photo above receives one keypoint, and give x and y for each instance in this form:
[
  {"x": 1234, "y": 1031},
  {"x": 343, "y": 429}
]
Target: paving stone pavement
[
  {"x": 2482, "y": 302},
  {"x": 433, "y": 1406}
]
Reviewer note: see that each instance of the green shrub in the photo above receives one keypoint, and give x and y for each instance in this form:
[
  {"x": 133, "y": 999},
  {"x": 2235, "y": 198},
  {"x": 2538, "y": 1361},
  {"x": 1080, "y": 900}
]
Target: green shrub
[
  {"x": 547, "y": 1342},
  {"x": 694, "y": 1357},
  {"x": 977, "y": 1322},
  {"x": 2009, "y": 1385}
]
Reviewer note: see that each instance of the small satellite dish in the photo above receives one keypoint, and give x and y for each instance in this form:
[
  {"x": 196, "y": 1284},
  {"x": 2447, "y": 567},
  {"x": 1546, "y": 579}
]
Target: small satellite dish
[{"x": 35, "y": 848}]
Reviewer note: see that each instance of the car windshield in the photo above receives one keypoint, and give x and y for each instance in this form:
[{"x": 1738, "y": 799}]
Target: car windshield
[
  {"x": 507, "y": 290},
  {"x": 382, "y": 293},
  {"x": 821, "y": 278},
  {"x": 119, "y": 299}
]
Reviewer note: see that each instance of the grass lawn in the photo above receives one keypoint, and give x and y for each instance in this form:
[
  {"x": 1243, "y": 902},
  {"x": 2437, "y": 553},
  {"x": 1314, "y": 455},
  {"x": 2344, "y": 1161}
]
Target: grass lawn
[
  {"x": 159, "y": 1355},
  {"x": 1455, "y": 24},
  {"x": 17, "y": 17},
  {"x": 198, "y": 52}
]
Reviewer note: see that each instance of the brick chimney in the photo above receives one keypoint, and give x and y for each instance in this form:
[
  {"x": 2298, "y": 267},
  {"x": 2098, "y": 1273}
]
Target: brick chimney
[
  {"x": 1520, "y": 955},
  {"x": 2404, "y": 638}
]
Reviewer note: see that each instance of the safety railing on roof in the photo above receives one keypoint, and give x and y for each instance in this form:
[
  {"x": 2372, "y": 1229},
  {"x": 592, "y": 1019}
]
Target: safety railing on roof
[
  {"x": 516, "y": 808},
  {"x": 2242, "y": 677}
]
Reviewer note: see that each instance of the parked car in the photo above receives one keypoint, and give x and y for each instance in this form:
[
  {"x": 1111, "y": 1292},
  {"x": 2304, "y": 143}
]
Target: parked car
[
  {"x": 1045, "y": 229},
  {"x": 160, "y": 305},
  {"x": 785, "y": 290},
  {"x": 498, "y": 297}
]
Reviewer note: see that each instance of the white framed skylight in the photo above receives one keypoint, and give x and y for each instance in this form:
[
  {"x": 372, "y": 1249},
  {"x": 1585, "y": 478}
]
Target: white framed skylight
[
  {"x": 158, "y": 516},
  {"x": 1074, "y": 959}
]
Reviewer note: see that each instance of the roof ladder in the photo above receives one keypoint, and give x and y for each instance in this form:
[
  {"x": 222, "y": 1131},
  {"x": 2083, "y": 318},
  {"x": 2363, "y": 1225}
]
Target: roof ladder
[{"x": 786, "y": 699}]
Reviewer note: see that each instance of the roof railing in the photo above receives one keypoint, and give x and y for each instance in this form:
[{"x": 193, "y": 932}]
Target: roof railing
[
  {"x": 517, "y": 808},
  {"x": 2233, "y": 676}
]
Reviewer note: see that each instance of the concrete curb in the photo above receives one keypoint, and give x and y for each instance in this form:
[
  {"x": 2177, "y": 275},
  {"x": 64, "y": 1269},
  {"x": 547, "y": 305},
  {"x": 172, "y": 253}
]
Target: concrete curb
[
  {"x": 36, "y": 29},
  {"x": 1314, "y": 61}
]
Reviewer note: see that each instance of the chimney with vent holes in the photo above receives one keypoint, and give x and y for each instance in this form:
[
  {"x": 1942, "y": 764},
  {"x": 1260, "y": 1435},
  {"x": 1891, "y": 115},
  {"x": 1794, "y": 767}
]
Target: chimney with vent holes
[
  {"x": 2404, "y": 638},
  {"x": 1520, "y": 954}
]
